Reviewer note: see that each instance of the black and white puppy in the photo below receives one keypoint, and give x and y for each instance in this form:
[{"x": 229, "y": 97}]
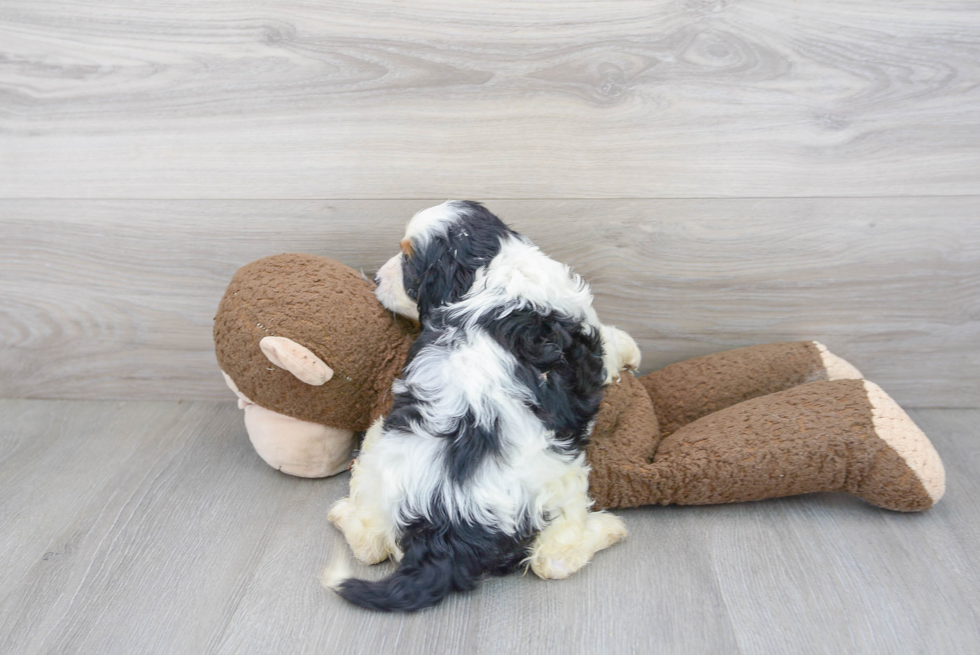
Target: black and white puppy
[{"x": 479, "y": 466}]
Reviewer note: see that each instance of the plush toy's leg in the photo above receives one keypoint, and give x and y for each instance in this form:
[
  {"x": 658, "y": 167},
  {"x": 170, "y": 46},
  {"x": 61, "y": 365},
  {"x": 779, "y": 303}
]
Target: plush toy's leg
[
  {"x": 688, "y": 390},
  {"x": 293, "y": 446},
  {"x": 843, "y": 435},
  {"x": 361, "y": 516},
  {"x": 575, "y": 534}
]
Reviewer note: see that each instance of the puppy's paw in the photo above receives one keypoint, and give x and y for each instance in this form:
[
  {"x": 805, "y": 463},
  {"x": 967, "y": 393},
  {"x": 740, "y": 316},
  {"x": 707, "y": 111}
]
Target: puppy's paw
[
  {"x": 550, "y": 568},
  {"x": 559, "y": 563},
  {"x": 605, "y": 529},
  {"x": 364, "y": 531},
  {"x": 561, "y": 552},
  {"x": 339, "y": 511},
  {"x": 619, "y": 352}
]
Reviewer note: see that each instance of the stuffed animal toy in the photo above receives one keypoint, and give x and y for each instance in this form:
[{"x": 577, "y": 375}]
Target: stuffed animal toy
[{"x": 311, "y": 354}]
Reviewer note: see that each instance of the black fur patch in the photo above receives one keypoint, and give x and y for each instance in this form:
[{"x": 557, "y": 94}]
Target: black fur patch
[
  {"x": 561, "y": 363},
  {"x": 469, "y": 446},
  {"x": 440, "y": 556},
  {"x": 442, "y": 271}
]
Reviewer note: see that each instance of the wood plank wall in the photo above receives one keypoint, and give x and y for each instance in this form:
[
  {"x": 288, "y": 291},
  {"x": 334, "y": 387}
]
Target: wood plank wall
[{"x": 724, "y": 173}]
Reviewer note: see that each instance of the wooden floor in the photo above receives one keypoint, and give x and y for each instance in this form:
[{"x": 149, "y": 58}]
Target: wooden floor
[{"x": 143, "y": 527}]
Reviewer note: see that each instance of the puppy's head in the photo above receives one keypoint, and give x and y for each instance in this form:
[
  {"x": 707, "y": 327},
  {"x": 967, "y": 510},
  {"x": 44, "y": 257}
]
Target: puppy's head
[{"x": 443, "y": 248}]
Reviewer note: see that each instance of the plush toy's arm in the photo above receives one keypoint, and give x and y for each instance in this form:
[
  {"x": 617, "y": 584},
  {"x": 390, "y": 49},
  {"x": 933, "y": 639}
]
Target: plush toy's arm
[
  {"x": 843, "y": 435},
  {"x": 688, "y": 390}
]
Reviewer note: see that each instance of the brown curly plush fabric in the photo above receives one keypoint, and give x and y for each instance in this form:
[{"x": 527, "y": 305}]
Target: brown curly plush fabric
[
  {"x": 327, "y": 307},
  {"x": 810, "y": 438},
  {"x": 688, "y": 390},
  {"x": 625, "y": 434}
]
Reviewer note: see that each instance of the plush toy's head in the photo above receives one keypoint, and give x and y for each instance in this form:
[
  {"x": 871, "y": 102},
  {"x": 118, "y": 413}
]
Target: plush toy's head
[
  {"x": 303, "y": 338},
  {"x": 312, "y": 354}
]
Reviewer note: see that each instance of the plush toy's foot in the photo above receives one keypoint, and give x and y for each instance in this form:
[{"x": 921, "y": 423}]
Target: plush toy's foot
[
  {"x": 893, "y": 484},
  {"x": 564, "y": 547},
  {"x": 839, "y": 435},
  {"x": 300, "y": 448},
  {"x": 835, "y": 368}
]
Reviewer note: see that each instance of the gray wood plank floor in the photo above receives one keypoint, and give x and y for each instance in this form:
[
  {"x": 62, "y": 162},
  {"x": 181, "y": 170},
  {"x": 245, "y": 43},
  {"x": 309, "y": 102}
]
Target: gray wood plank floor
[{"x": 140, "y": 527}]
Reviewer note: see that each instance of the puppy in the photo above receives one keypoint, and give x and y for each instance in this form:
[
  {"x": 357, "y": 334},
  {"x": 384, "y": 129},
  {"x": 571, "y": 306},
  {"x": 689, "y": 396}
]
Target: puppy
[{"x": 479, "y": 466}]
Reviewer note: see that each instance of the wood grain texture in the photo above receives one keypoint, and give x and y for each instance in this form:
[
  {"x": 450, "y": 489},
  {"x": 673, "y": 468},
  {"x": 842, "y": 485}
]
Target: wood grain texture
[
  {"x": 115, "y": 299},
  {"x": 703, "y": 98},
  {"x": 153, "y": 528}
]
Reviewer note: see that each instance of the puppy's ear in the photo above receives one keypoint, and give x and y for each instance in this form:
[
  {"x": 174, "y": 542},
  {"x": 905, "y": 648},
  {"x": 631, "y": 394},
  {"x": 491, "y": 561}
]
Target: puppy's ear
[
  {"x": 443, "y": 281},
  {"x": 438, "y": 272},
  {"x": 441, "y": 269}
]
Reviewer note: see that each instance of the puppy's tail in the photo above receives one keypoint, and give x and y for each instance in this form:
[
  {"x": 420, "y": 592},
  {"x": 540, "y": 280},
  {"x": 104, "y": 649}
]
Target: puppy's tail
[
  {"x": 426, "y": 575},
  {"x": 440, "y": 557}
]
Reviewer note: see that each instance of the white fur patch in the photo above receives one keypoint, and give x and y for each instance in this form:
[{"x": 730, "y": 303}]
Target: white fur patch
[
  {"x": 619, "y": 352},
  {"x": 430, "y": 222},
  {"x": 336, "y": 572},
  {"x": 522, "y": 277},
  {"x": 391, "y": 289}
]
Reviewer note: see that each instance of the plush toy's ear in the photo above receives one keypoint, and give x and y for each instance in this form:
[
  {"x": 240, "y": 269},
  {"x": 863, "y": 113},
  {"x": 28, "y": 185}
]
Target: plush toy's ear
[{"x": 298, "y": 360}]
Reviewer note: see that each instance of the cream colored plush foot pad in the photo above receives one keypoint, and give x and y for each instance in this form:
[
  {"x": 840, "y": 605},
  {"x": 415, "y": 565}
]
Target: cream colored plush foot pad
[
  {"x": 837, "y": 368},
  {"x": 895, "y": 428}
]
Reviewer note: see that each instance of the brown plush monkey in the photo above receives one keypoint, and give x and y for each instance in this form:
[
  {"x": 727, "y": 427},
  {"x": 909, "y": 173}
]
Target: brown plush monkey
[{"x": 311, "y": 354}]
